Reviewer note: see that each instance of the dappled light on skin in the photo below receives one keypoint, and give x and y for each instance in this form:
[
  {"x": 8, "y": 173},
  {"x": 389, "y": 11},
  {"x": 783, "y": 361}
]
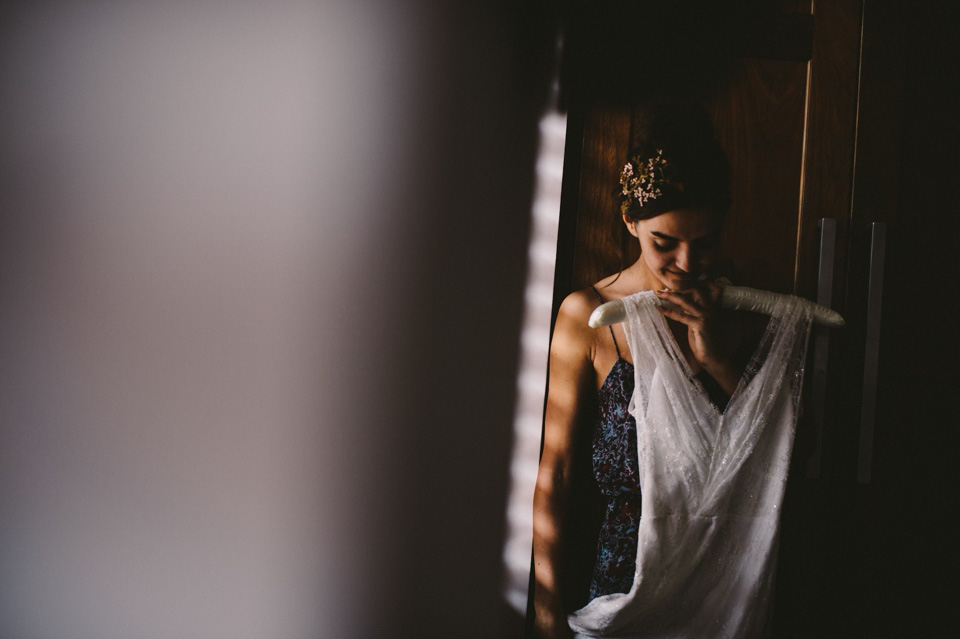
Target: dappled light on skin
[
  {"x": 546, "y": 540},
  {"x": 545, "y": 532},
  {"x": 550, "y": 498}
]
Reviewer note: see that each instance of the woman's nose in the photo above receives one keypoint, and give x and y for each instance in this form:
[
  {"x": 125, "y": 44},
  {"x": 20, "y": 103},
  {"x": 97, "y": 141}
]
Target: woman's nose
[{"x": 684, "y": 258}]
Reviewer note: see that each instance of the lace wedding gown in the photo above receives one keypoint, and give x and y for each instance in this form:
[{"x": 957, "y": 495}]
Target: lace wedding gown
[{"x": 713, "y": 485}]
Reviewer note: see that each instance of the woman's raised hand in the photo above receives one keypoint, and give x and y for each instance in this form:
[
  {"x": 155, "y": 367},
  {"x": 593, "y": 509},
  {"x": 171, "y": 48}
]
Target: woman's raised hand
[{"x": 697, "y": 307}]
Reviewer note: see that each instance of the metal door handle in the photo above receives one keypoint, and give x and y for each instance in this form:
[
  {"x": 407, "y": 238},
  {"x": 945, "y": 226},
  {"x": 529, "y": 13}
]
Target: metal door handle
[
  {"x": 868, "y": 408},
  {"x": 821, "y": 344}
]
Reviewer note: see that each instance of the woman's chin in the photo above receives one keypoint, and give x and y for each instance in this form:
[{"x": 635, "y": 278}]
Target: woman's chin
[{"x": 680, "y": 283}]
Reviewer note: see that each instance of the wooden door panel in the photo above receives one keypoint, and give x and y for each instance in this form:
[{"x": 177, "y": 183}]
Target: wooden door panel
[
  {"x": 759, "y": 120},
  {"x": 830, "y": 135},
  {"x": 606, "y": 142}
]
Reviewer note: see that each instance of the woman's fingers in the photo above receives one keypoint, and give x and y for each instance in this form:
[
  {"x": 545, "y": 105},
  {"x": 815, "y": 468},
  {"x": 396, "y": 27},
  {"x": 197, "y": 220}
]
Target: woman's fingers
[
  {"x": 687, "y": 301},
  {"x": 699, "y": 300},
  {"x": 713, "y": 291},
  {"x": 685, "y": 314},
  {"x": 706, "y": 294},
  {"x": 695, "y": 307},
  {"x": 680, "y": 315}
]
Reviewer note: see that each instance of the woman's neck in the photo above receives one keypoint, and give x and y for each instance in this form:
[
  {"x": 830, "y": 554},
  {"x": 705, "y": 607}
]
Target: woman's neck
[
  {"x": 633, "y": 279},
  {"x": 641, "y": 278}
]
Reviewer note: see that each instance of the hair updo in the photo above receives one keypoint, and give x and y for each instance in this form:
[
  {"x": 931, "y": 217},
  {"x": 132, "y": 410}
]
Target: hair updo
[{"x": 678, "y": 165}]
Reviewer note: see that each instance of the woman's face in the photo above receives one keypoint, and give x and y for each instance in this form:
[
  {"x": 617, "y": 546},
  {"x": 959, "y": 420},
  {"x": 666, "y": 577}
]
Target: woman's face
[{"x": 678, "y": 246}]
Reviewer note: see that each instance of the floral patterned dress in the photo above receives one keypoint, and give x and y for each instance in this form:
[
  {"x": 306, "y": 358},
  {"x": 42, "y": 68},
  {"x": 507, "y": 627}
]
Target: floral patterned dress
[{"x": 616, "y": 469}]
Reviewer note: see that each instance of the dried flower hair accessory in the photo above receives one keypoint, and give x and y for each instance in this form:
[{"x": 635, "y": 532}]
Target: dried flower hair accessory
[{"x": 643, "y": 180}]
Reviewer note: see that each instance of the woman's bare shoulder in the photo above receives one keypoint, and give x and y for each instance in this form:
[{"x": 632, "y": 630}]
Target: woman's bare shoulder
[
  {"x": 573, "y": 346},
  {"x": 574, "y": 315},
  {"x": 580, "y": 304}
]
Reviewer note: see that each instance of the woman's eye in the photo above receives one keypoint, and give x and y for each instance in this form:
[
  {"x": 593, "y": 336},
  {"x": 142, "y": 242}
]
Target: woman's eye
[{"x": 663, "y": 248}]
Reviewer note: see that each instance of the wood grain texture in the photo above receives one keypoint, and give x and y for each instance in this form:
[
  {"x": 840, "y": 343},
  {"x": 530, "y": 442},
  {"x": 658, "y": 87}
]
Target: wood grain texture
[
  {"x": 599, "y": 227},
  {"x": 759, "y": 121},
  {"x": 830, "y": 135}
]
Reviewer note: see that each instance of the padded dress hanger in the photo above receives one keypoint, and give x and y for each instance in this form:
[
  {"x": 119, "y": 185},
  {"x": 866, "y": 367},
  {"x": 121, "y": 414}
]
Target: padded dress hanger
[{"x": 739, "y": 298}]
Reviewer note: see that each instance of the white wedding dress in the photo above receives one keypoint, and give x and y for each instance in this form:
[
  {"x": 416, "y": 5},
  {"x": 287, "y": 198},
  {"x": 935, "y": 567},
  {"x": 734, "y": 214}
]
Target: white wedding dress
[{"x": 713, "y": 485}]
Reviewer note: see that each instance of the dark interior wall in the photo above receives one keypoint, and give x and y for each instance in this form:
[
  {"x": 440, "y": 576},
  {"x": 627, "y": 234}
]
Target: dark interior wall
[{"x": 920, "y": 347}]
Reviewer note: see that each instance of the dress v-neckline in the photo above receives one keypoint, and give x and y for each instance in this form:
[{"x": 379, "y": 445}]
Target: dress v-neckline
[
  {"x": 688, "y": 374},
  {"x": 606, "y": 380}
]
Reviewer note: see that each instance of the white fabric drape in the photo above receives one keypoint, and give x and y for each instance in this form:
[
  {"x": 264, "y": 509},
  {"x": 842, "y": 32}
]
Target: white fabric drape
[{"x": 712, "y": 485}]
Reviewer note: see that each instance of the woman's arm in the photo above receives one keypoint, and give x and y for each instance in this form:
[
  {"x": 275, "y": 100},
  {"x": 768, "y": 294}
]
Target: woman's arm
[{"x": 571, "y": 375}]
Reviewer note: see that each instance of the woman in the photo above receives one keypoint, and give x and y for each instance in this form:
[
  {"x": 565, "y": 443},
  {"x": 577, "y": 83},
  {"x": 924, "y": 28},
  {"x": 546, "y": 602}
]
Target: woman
[{"x": 674, "y": 194}]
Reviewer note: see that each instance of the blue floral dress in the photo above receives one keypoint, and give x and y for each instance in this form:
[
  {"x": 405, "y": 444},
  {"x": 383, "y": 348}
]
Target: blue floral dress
[
  {"x": 616, "y": 469},
  {"x": 617, "y": 472}
]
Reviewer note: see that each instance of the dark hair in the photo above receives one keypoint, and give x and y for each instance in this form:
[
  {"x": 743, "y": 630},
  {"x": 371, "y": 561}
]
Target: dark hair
[{"x": 696, "y": 165}]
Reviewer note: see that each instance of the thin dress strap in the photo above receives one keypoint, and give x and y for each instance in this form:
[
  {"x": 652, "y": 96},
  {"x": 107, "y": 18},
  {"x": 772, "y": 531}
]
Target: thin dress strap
[{"x": 615, "y": 345}]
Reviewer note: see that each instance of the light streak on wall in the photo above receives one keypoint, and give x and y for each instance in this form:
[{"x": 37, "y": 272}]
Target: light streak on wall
[{"x": 535, "y": 345}]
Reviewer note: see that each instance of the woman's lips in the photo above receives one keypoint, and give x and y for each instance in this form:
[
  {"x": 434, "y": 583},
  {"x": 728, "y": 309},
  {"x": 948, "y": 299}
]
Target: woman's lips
[{"x": 683, "y": 280}]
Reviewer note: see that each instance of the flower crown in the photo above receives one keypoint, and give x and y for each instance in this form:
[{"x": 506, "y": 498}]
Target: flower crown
[{"x": 643, "y": 180}]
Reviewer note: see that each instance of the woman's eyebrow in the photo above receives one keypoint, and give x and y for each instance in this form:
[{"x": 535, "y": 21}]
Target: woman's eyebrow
[
  {"x": 670, "y": 238},
  {"x": 664, "y": 236}
]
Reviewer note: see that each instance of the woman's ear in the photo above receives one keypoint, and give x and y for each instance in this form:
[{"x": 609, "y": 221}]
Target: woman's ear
[{"x": 631, "y": 226}]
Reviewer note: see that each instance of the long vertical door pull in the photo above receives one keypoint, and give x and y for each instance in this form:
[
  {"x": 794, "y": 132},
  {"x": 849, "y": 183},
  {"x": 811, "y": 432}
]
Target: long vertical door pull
[
  {"x": 821, "y": 345},
  {"x": 868, "y": 409}
]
